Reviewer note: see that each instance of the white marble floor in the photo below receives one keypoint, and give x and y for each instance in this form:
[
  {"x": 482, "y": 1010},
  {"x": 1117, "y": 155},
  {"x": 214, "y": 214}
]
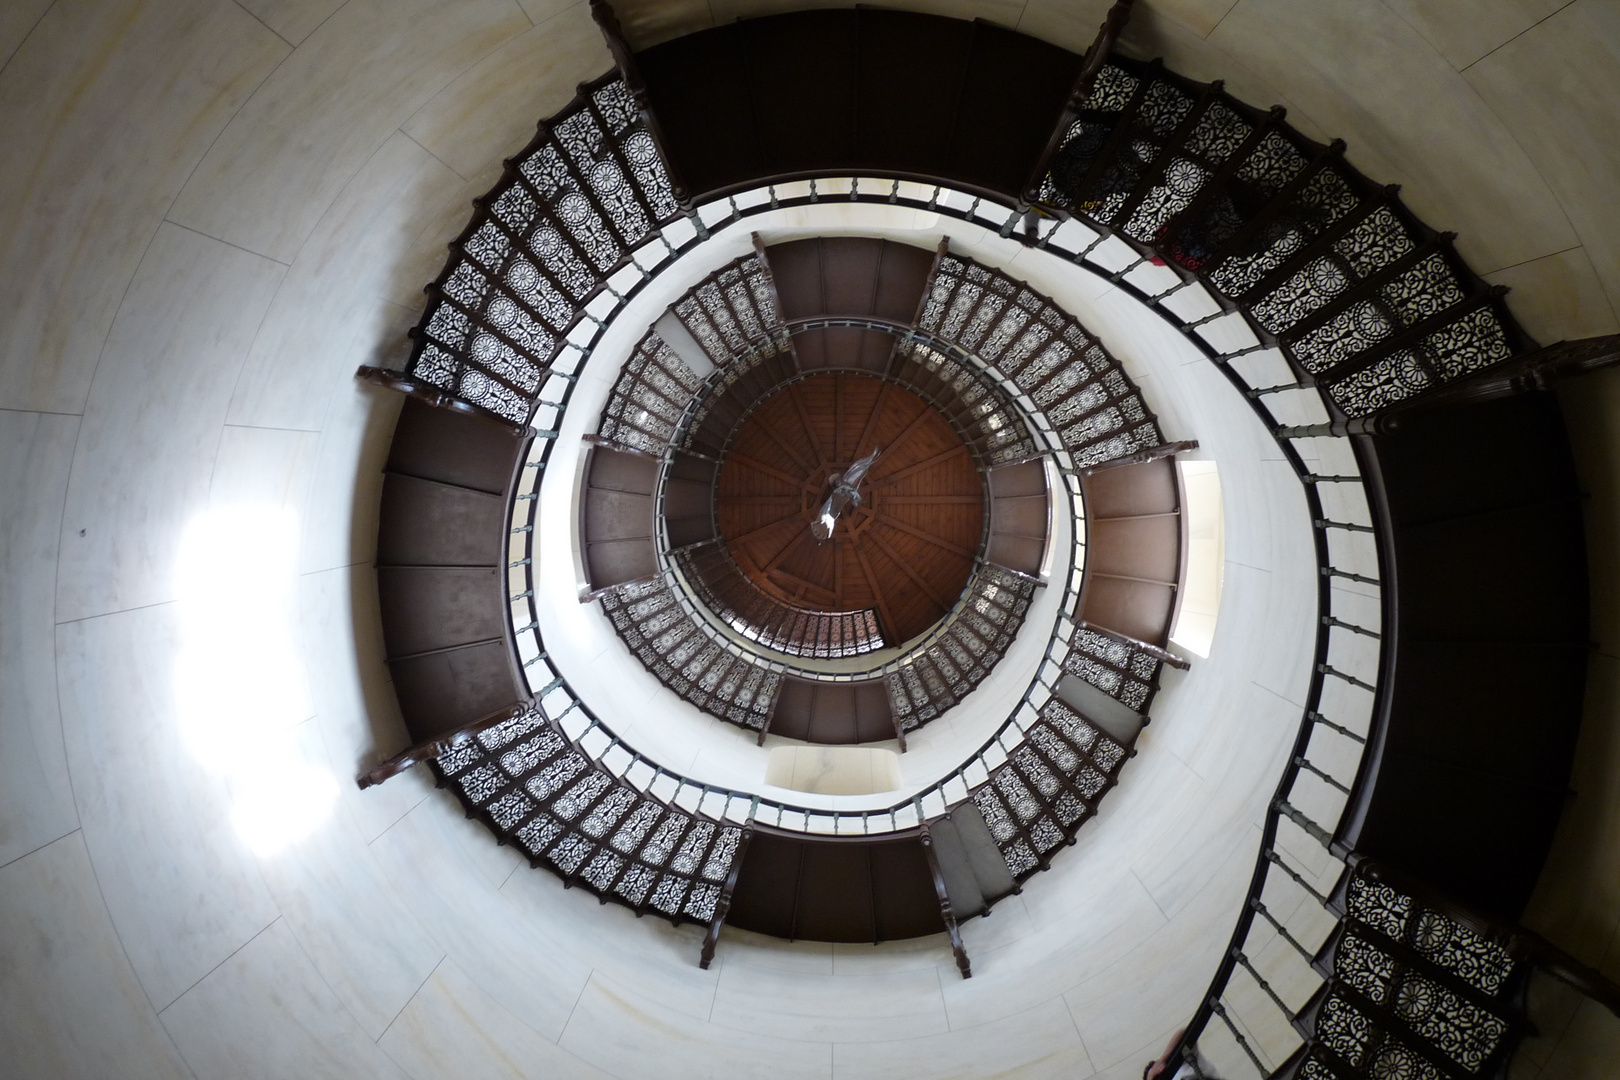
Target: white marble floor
[{"x": 210, "y": 212}]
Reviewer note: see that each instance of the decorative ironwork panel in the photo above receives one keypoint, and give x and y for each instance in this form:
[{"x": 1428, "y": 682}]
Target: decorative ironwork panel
[
  {"x": 532, "y": 785},
  {"x": 1113, "y": 667},
  {"x": 571, "y": 207},
  {"x": 1067, "y": 373}
]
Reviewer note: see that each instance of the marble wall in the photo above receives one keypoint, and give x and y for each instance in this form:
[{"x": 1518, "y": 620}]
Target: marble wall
[{"x": 210, "y": 212}]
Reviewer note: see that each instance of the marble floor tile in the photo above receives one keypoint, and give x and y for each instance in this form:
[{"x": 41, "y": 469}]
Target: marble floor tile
[
  {"x": 283, "y": 159},
  {"x": 628, "y": 1036},
  {"x": 1588, "y": 1047},
  {"x": 355, "y": 707},
  {"x": 108, "y": 108},
  {"x": 292, "y": 20},
  {"x": 1129, "y": 1067},
  {"x": 1149, "y": 990},
  {"x": 658, "y": 960},
  {"x": 265, "y": 1012},
  {"x": 1075, "y": 937},
  {"x": 1361, "y": 74},
  {"x": 262, "y": 468},
  {"x": 36, "y": 797},
  {"x": 17, "y": 20},
  {"x": 340, "y": 517},
  {"x": 489, "y": 112},
  {"x": 438, "y": 225},
  {"x": 360, "y": 936},
  {"x": 1558, "y": 297},
  {"x": 1190, "y": 871},
  {"x": 1041, "y": 1042},
  {"x": 1463, "y": 31},
  {"x": 428, "y": 857},
  {"x": 180, "y": 884},
  {"x": 143, "y": 467},
  {"x": 452, "y": 1030},
  {"x": 78, "y": 1010},
  {"x": 325, "y": 310},
  {"x": 839, "y": 1008},
  {"x": 1563, "y": 120}
]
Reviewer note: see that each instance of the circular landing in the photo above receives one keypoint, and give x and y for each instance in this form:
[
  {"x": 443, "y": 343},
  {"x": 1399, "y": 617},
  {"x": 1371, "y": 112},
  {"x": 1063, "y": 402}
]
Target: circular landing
[{"x": 906, "y": 551}]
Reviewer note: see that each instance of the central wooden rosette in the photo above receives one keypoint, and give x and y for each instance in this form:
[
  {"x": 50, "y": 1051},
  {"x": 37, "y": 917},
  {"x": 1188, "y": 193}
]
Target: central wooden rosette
[{"x": 906, "y": 551}]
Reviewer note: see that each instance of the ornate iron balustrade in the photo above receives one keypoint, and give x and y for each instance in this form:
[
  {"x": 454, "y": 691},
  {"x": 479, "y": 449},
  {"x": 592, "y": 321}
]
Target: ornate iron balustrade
[
  {"x": 1349, "y": 558},
  {"x": 776, "y": 624},
  {"x": 569, "y": 211},
  {"x": 1360, "y": 297},
  {"x": 1367, "y": 307},
  {"x": 1275, "y": 247}
]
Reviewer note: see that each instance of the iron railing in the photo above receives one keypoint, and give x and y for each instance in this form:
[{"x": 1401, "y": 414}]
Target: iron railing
[{"x": 1161, "y": 289}]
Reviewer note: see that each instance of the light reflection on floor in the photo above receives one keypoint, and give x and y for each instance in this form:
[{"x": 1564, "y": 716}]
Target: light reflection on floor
[{"x": 240, "y": 686}]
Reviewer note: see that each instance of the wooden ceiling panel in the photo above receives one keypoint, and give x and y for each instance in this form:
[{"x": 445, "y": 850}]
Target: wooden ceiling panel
[{"x": 907, "y": 551}]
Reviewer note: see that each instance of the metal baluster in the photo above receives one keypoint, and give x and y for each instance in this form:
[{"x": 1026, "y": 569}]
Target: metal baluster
[
  {"x": 1271, "y": 856},
  {"x": 1347, "y": 526},
  {"x": 1282, "y": 931},
  {"x": 1304, "y": 764},
  {"x": 1238, "y": 955},
  {"x": 1328, "y": 571},
  {"x": 1278, "y": 389},
  {"x": 1327, "y": 669},
  {"x": 1220, "y": 1011},
  {"x": 1297, "y": 816},
  {"x": 1329, "y": 620},
  {"x": 1318, "y": 718}
]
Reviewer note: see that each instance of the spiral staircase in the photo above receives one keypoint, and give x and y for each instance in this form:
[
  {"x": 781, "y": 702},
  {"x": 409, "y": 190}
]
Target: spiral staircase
[{"x": 1431, "y": 759}]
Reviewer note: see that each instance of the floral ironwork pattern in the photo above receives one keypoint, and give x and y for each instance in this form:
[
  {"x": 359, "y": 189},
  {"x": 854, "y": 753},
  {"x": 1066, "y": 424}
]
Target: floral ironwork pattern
[{"x": 530, "y": 783}]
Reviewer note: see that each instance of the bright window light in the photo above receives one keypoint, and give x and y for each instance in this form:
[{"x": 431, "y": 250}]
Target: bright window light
[{"x": 1194, "y": 629}]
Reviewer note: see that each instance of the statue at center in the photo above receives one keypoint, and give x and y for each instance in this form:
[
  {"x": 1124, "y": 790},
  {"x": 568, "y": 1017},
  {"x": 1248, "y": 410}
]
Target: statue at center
[{"x": 845, "y": 497}]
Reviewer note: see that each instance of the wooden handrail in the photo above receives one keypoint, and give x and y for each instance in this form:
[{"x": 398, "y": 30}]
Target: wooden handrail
[
  {"x": 1519, "y": 942},
  {"x": 435, "y": 396},
  {"x": 722, "y": 906},
  {"x": 1091, "y": 65},
  {"x": 427, "y": 751},
  {"x": 945, "y": 910}
]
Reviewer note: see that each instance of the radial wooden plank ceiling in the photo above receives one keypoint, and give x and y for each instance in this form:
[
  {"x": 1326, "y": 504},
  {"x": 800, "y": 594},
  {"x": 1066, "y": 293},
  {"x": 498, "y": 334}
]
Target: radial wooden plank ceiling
[{"x": 907, "y": 551}]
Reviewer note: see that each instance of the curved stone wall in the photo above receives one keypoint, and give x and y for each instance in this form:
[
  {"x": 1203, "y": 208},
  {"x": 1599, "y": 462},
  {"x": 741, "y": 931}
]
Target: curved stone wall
[{"x": 213, "y": 213}]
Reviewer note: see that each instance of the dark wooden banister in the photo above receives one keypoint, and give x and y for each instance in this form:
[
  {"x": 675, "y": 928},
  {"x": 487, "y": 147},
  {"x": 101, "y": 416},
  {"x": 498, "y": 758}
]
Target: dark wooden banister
[
  {"x": 1519, "y": 942},
  {"x": 1143, "y": 457},
  {"x": 1091, "y": 65},
  {"x": 436, "y": 396},
  {"x": 624, "y": 58},
  {"x": 1532, "y": 371},
  {"x": 722, "y": 906},
  {"x": 432, "y": 748},
  {"x": 945, "y": 910}
]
